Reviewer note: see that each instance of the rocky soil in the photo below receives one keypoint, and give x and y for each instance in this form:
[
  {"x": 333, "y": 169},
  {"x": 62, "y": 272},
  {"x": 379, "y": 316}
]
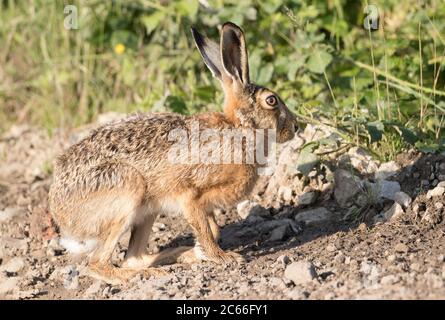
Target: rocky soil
[{"x": 352, "y": 228}]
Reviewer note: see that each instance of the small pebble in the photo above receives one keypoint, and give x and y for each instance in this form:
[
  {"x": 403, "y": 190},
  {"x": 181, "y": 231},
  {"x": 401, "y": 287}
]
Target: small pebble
[{"x": 401, "y": 248}]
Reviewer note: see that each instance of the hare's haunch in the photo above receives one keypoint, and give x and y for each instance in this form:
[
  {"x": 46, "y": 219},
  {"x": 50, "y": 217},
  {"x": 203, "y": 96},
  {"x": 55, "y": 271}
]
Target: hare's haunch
[{"x": 122, "y": 175}]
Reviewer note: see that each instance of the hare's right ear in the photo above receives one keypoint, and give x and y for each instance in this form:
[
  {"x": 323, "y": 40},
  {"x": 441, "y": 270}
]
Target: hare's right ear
[
  {"x": 234, "y": 53},
  {"x": 210, "y": 52}
]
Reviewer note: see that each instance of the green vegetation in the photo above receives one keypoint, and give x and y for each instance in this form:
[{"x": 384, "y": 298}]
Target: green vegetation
[{"x": 384, "y": 90}]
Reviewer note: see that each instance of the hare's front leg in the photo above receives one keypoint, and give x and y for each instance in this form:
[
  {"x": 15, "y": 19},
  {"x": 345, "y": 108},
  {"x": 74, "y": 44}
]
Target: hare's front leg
[
  {"x": 206, "y": 247},
  {"x": 214, "y": 226}
]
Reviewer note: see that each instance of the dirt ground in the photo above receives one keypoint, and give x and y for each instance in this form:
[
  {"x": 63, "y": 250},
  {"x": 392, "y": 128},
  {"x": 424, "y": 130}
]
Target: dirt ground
[{"x": 328, "y": 236}]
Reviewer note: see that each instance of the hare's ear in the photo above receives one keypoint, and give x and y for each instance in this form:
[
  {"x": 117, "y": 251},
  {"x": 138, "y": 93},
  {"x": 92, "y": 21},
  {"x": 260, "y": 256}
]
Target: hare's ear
[
  {"x": 234, "y": 52},
  {"x": 210, "y": 53}
]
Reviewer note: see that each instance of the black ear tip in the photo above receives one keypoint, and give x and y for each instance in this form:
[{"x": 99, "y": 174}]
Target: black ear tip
[
  {"x": 231, "y": 25},
  {"x": 196, "y": 35},
  {"x": 199, "y": 39}
]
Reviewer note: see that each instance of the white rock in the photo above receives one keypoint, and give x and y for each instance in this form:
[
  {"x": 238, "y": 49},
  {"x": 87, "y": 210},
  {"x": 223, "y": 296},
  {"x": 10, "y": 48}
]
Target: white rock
[
  {"x": 93, "y": 289},
  {"x": 313, "y": 216},
  {"x": 14, "y": 265},
  {"x": 277, "y": 282},
  {"x": 247, "y": 209},
  {"x": 346, "y": 186},
  {"x": 361, "y": 160},
  {"x": 243, "y": 208},
  {"x": 441, "y": 184},
  {"x": 387, "y": 189},
  {"x": 283, "y": 260},
  {"x": 296, "y": 294},
  {"x": 158, "y": 226},
  {"x": 300, "y": 272},
  {"x": 314, "y": 132},
  {"x": 71, "y": 281},
  {"x": 387, "y": 170},
  {"x": 403, "y": 199},
  {"x": 366, "y": 267},
  {"x": 285, "y": 193},
  {"x": 8, "y": 285},
  {"x": 395, "y": 212},
  {"x": 389, "y": 279},
  {"x": 307, "y": 198},
  {"x": 436, "y": 192},
  {"x": 401, "y": 248},
  {"x": 374, "y": 273}
]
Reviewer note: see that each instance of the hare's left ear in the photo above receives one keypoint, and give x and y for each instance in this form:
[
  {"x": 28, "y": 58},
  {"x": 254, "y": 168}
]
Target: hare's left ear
[
  {"x": 234, "y": 53},
  {"x": 210, "y": 53}
]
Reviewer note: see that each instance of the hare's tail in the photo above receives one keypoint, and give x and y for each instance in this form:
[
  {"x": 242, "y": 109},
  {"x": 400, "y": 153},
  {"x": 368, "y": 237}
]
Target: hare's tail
[{"x": 74, "y": 246}]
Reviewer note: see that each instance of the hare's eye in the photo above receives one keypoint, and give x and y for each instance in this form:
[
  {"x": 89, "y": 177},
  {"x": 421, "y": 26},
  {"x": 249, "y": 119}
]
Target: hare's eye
[{"x": 271, "y": 100}]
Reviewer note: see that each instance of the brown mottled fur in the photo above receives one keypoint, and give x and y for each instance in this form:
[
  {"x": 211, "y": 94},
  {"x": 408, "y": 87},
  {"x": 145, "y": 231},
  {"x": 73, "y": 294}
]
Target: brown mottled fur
[{"x": 119, "y": 177}]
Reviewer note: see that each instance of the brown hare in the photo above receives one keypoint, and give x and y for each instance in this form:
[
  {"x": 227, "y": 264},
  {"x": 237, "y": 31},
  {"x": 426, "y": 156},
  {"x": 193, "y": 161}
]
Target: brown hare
[{"x": 120, "y": 178}]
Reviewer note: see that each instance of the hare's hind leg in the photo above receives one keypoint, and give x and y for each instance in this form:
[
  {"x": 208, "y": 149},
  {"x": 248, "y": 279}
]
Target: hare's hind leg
[
  {"x": 100, "y": 261},
  {"x": 138, "y": 257},
  {"x": 113, "y": 205}
]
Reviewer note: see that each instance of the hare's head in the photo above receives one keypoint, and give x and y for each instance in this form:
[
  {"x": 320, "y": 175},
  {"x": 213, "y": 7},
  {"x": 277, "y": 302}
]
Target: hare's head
[{"x": 246, "y": 104}]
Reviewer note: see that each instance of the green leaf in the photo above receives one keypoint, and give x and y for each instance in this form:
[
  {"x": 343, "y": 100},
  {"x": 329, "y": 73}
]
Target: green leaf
[
  {"x": 128, "y": 71},
  {"x": 265, "y": 74},
  {"x": 294, "y": 66},
  {"x": 375, "y": 130},
  {"x": 362, "y": 82},
  {"x": 328, "y": 141},
  {"x": 188, "y": 7},
  {"x": 152, "y": 21},
  {"x": 427, "y": 148},
  {"x": 176, "y": 104},
  {"x": 307, "y": 159},
  {"x": 409, "y": 107},
  {"x": 319, "y": 61},
  {"x": 255, "y": 63},
  {"x": 206, "y": 93},
  {"x": 271, "y": 6},
  {"x": 408, "y": 135}
]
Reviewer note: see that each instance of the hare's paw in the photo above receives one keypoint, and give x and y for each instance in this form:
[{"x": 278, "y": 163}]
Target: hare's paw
[
  {"x": 225, "y": 257},
  {"x": 110, "y": 274},
  {"x": 153, "y": 272},
  {"x": 118, "y": 276},
  {"x": 233, "y": 257}
]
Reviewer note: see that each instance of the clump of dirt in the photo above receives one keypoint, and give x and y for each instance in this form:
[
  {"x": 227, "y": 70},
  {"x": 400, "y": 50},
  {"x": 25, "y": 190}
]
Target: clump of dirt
[{"x": 337, "y": 233}]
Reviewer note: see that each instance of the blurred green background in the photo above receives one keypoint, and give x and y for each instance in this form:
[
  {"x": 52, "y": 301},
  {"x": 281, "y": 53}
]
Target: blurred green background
[{"x": 383, "y": 90}]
